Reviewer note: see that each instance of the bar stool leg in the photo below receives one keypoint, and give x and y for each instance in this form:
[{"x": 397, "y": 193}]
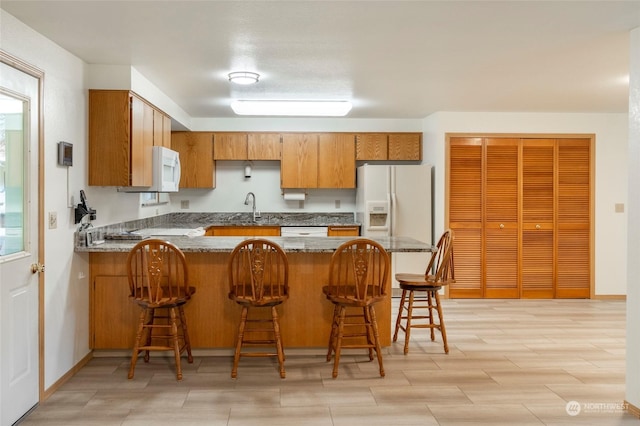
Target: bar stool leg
[
  {"x": 400, "y": 311},
  {"x": 176, "y": 342},
  {"x": 374, "y": 323},
  {"x": 442, "y": 329},
  {"x": 432, "y": 325},
  {"x": 276, "y": 332},
  {"x": 185, "y": 334},
  {"x": 338, "y": 342},
  {"x": 236, "y": 356},
  {"x": 407, "y": 330}
]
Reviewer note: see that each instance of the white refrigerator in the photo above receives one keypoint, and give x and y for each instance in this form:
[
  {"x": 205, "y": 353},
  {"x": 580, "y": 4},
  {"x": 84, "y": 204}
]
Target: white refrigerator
[{"x": 396, "y": 201}]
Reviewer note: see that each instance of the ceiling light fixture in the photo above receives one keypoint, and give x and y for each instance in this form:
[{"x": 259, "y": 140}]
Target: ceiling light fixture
[
  {"x": 292, "y": 108},
  {"x": 244, "y": 77}
]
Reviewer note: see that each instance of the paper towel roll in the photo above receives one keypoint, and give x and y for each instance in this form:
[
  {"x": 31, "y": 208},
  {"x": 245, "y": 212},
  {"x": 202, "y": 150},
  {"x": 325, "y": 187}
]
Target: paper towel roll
[{"x": 294, "y": 196}]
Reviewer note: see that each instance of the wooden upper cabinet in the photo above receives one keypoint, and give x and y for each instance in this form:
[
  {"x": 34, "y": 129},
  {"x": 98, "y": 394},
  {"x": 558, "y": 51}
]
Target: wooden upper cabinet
[
  {"x": 404, "y": 146},
  {"x": 336, "y": 160},
  {"x": 371, "y": 146},
  {"x": 123, "y": 128},
  {"x": 120, "y": 139},
  {"x": 389, "y": 146},
  {"x": 263, "y": 146},
  {"x": 299, "y": 166},
  {"x": 161, "y": 129},
  {"x": 230, "y": 146},
  {"x": 246, "y": 146},
  {"x": 196, "y": 159}
]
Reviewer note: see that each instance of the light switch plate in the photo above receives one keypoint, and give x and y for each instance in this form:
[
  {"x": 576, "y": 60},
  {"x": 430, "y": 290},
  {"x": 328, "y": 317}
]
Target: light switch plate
[
  {"x": 619, "y": 207},
  {"x": 53, "y": 220}
]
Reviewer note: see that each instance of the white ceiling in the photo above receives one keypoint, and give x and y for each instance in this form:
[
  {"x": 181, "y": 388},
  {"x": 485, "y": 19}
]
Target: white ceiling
[{"x": 392, "y": 59}]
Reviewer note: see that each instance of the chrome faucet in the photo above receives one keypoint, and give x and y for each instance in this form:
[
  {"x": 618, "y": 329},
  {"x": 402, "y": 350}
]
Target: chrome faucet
[{"x": 253, "y": 204}]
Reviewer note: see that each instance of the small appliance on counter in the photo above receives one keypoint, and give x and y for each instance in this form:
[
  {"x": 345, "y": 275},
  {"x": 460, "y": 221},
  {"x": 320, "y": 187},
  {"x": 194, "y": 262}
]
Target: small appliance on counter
[{"x": 82, "y": 210}]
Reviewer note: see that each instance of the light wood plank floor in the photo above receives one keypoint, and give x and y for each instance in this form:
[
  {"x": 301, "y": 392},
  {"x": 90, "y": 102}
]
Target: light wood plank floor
[{"x": 511, "y": 362}]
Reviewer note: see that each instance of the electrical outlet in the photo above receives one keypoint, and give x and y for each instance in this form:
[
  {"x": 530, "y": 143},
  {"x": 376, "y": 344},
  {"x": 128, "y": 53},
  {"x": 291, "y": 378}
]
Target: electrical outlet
[
  {"x": 184, "y": 204},
  {"x": 337, "y": 204},
  {"x": 53, "y": 220}
]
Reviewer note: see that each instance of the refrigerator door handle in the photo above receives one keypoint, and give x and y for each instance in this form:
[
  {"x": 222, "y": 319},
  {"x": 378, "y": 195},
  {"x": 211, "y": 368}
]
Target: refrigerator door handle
[{"x": 394, "y": 211}]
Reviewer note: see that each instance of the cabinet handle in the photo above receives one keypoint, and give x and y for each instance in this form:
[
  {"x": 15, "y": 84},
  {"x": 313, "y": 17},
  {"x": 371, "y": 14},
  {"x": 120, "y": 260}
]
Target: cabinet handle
[
  {"x": 538, "y": 226},
  {"x": 502, "y": 226},
  {"x": 343, "y": 228}
]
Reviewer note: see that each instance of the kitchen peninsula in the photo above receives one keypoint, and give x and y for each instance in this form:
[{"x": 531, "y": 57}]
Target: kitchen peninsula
[{"x": 212, "y": 317}]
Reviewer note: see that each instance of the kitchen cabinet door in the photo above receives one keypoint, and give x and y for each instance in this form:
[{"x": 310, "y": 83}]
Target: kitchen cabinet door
[
  {"x": 161, "y": 129},
  {"x": 196, "y": 159},
  {"x": 299, "y": 166},
  {"x": 113, "y": 315},
  {"x": 405, "y": 146},
  {"x": 343, "y": 231},
  {"x": 141, "y": 143},
  {"x": 371, "y": 146},
  {"x": 263, "y": 146},
  {"x": 230, "y": 146},
  {"x": 336, "y": 160},
  {"x": 249, "y": 231}
]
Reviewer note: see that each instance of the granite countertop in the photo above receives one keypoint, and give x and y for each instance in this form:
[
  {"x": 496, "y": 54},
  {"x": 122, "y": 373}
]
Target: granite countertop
[
  {"x": 201, "y": 244},
  {"x": 178, "y": 228}
]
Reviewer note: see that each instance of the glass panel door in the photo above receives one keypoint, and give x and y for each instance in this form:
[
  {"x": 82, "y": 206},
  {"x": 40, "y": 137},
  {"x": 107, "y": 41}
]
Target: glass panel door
[{"x": 12, "y": 175}]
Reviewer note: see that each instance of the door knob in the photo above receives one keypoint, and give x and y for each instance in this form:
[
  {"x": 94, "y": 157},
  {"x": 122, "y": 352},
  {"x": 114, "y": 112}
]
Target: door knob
[{"x": 37, "y": 267}]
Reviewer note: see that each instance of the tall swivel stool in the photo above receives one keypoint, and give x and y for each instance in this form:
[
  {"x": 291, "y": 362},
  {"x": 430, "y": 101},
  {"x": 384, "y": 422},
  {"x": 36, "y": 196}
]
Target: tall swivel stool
[
  {"x": 439, "y": 273},
  {"x": 358, "y": 275},
  {"x": 259, "y": 278},
  {"x": 158, "y": 282}
]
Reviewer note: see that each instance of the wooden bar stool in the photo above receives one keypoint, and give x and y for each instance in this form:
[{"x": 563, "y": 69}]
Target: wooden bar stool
[
  {"x": 259, "y": 278},
  {"x": 358, "y": 275},
  {"x": 159, "y": 281},
  {"x": 422, "y": 290}
]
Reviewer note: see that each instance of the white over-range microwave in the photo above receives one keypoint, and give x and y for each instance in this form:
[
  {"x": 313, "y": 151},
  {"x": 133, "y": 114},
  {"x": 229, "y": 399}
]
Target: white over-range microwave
[{"x": 166, "y": 172}]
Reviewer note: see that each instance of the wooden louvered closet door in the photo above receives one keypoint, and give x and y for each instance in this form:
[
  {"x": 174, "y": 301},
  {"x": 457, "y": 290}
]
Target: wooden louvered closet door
[
  {"x": 465, "y": 215},
  {"x": 521, "y": 212},
  {"x": 573, "y": 275},
  {"x": 537, "y": 254},
  {"x": 501, "y": 218}
]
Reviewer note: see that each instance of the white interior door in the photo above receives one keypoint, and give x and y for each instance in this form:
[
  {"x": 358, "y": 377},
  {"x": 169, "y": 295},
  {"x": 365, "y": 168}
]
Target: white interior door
[{"x": 19, "y": 230}]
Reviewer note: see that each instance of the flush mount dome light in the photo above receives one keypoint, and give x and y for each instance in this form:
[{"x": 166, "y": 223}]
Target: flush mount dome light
[
  {"x": 244, "y": 77},
  {"x": 292, "y": 108}
]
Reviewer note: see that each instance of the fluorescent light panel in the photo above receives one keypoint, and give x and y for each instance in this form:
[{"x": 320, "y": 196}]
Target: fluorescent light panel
[{"x": 292, "y": 108}]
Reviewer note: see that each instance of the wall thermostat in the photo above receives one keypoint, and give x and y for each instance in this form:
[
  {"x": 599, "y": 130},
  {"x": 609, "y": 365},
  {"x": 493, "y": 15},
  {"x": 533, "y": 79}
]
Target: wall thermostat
[{"x": 65, "y": 154}]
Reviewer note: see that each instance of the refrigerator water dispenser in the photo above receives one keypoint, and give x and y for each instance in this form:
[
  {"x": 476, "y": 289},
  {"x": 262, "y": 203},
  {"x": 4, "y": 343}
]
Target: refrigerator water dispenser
[{"x": 377, "y": 216}]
